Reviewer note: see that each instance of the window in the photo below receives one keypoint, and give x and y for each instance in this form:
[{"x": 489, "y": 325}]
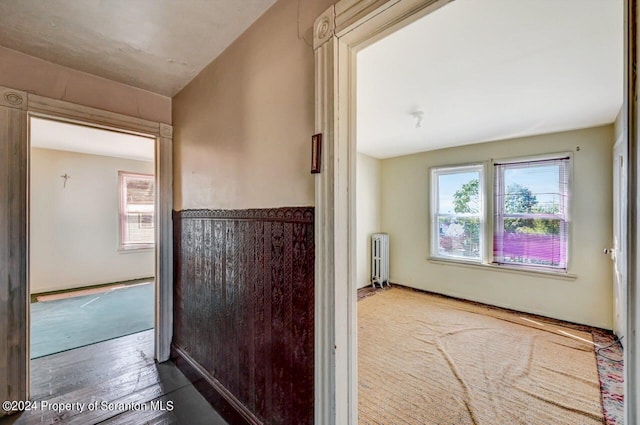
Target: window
[
  {"x": 531, "y": 205},
  {"x": 530, "y": 213},
  {"x": 137, "y": 199},
  {"x": 457, "y": 212}
]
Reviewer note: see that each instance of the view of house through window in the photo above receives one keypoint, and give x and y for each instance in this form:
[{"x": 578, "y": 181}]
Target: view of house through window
[{"x": 137, "y": 198}]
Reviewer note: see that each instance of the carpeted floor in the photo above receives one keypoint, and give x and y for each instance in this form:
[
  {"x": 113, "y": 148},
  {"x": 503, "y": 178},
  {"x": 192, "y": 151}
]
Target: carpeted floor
[
  {"x": 431, "y": 360},
  {"x": 67, "y": 323}
]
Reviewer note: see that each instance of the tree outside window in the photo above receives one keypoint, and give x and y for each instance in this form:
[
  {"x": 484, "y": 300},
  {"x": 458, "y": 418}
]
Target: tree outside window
[{"x": 457, "y": 212}]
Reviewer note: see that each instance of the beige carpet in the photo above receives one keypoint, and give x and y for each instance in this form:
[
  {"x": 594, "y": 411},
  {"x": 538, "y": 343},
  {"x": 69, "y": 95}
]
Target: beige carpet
[{"x": 429, "y": 360}]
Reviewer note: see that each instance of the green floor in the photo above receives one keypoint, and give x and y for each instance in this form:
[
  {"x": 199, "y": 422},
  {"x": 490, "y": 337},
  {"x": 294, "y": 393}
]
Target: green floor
[{"x": 64, "y": 324}]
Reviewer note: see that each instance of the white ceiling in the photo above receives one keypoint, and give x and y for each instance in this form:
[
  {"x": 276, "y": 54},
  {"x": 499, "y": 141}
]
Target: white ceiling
[
  {"x": 484, "y": 70},
  {"x": 156, "y": 45},
  {"x": 62, "y": 136}
]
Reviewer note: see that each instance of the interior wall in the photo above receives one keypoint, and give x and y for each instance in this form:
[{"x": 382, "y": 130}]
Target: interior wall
[
  {"x": 242, "y": 140},
  {"x": 368, "y": 220},
  {"x": 586, "y": 299},
  {"x": 243, "y": 126},
  {"x": 74, "y": 230},
  {"x": 33, "y": 75}
]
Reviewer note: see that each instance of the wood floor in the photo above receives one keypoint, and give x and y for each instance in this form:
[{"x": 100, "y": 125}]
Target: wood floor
[{"x": 119, "y": 371}]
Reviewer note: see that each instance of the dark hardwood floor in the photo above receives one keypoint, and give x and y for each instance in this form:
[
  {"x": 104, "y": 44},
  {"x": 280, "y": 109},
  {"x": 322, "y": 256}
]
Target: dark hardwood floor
[{"x": 119, "y": 375}]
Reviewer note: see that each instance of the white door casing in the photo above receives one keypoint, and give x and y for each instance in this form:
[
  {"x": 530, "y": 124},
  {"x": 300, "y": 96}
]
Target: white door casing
[
  {"x": 339, "y": 33},
  {"x": 619, "y": 251},
  {"x": 631, "y": 119}
]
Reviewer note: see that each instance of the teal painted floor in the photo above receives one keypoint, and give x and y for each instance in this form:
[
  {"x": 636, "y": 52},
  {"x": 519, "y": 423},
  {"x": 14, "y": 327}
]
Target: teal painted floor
[{"x": 69, "y": 323}]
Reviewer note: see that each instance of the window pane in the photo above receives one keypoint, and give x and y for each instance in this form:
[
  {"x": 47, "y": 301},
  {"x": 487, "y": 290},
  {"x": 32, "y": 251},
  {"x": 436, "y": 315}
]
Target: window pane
[
  {"x": 459, "y": 237},
  {"x": 137, "y": 209},
  {"x": 538, "y": 242},
  {"x": 531, "y": 206},
  {"x": 533, "y": 188},
  {"x": 140, "y": 190},
  {"x": 459, "y": 193},
  {"x": 139, "y": 228}
]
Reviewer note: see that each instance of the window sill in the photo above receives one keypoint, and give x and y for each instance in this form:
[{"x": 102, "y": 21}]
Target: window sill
[
  {"x": 503, "y": 268},
  {"x": 128, "y": 249}
]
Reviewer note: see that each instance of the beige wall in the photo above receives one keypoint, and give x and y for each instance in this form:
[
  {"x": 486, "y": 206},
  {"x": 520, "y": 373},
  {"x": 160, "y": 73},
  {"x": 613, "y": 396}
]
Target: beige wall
[
  {"x": 587, "y": 299},
  {"x": 27, "y": 73},
  {"x": 75, "y": 230},
  {"x": 243, "y": 126},
  {"x": 368, "y": 184}
]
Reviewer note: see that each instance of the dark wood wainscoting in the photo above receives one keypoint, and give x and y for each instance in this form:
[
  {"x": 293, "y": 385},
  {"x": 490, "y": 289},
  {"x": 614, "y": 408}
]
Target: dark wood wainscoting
[{"x": 244, "y": 311}]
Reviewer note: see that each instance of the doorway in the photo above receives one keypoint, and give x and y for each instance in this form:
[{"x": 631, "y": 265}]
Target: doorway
[
  {"x": 92, "y": 235},
  {"x": 482, "y": 193},
  {"x": 339, "y": 34},
  {"x": 16, "y": 108}
]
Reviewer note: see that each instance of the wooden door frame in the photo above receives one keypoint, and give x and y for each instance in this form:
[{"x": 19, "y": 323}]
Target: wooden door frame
[
  {"x": 631, "y": 83},
  {"x": 339, "y": 33},
  {"x": 30, "y": 105}
]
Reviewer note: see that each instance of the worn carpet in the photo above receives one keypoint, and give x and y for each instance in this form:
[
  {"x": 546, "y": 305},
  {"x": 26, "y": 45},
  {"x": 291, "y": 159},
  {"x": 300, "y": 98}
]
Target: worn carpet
[
  {"x": 63, "y": 324},
  {"x": 430, "y": 360},
  {"x": 611, "y": 371}
]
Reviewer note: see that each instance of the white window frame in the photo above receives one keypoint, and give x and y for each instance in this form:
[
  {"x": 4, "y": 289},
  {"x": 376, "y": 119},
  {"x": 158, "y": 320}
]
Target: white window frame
[
  {"x": 122, "y": 188},
  {"x": 488, "y": 225},
  {"x": 435, "y": 201},
  {"x": 495, "y": 226}
]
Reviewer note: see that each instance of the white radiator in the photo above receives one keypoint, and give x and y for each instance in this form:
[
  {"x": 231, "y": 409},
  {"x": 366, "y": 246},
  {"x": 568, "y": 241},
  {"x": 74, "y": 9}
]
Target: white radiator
[{"x": 379, "y": 259}]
